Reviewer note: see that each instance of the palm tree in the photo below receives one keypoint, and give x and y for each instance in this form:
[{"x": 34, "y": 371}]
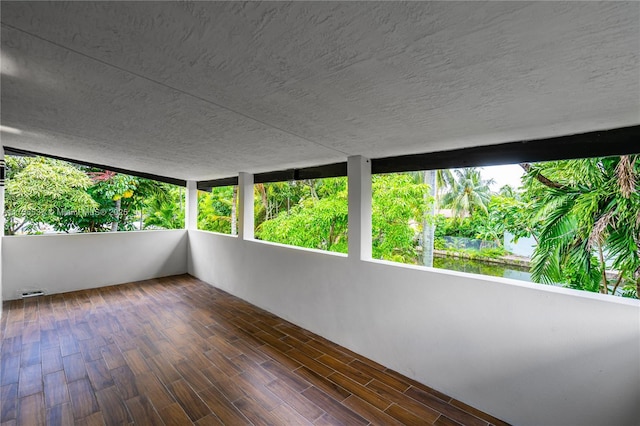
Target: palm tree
[
  {"x": 444, "y": 181},
  {"x": 509, "y": 192},
  {"x": 589, "y": 211},
  {"x": 438, "y": 181},
  {"x": 467, "y": 192}
]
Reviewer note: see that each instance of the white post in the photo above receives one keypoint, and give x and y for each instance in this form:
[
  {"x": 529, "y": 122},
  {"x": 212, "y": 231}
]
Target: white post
[
  {"x": 2, "y": 176},
  {"x": 191, "y": 206},
  {"x": 245, "y": 206},
  {"x": 359, "y": 175}
]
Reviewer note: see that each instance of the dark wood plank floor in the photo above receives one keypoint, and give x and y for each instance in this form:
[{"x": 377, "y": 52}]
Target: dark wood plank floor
[{"x": 177, "y": 351}]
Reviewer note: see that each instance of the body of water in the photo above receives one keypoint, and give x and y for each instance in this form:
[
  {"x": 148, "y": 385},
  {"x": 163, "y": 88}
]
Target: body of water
[{"x": 483, "y": 268}]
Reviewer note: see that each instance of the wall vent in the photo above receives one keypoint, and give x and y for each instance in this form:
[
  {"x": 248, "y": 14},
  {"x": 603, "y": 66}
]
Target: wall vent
[{"x": 32, "y": 293}]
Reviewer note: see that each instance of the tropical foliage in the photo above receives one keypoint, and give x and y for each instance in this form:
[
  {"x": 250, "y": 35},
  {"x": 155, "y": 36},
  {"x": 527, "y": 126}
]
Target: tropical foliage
[
  {"x": 467, "y": 192},
  {"x": 217, "y": 210},
  {"x": 41, "y": 191},
  {"x": 583, "y": 214},
  {"x": 588, "y": 212},
  {"x": 318, "y": 220},
  {"x": 44, "y": 194}
]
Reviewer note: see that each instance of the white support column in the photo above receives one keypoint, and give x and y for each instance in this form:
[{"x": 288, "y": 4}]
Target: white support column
[
  {"x": 191, "y": 206},
  {"x": 245, "y": 206},
  {"x": 2, "y": 177},
  {"x": 359, "y": 175}
]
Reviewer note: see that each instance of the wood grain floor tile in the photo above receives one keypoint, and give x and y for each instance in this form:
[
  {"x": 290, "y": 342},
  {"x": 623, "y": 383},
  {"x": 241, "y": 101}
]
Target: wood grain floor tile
[
  {"x": 30, "y": 380},
  {"x": 8, "y": 402},
  {"x": 336, "y": 391},
  {"x": 295, "y": 332},
  {"x": 154, "y": 390},
  {"x": 390, "y": 381},
  {"x": 68, "y": 345},
  {"x": 360, "y": 391},
  {"x": 135, "y": 361},
  {"x": 112, "y": 406},
  {"x": 471, "y": 410},
  {"x": 256, "y": 391},
  {"x": 353, "y": 373},
  {"x": 11, "y": 345},
  {"x": 112, "y": 356},
  {"x": 210, "y": 420},
  {"x": 254, "y": 370},
  {"x": 30, "y": 354},
  {"x": 189, "y": 400},
  {"x": 288, "y": 416},
  {"x": 273, "y": 341},
  {"x": 222, "y": 407},
  {"x": 174, "y": 415},
  {"x": 310, "y": 363},
  {"x": 283, "y": 374},
  {"x": 31, "y": 410},
  {"x": 330, "y": 349},
  {"x": 229, "y": 387},
  {"x": 60, "y": 415},
  {"x": 256, "y": 414},
  {"x": 369, "y": 412},
  {"x": 74, "y": 367},
  {"x": 407, "y": 417},
  {"x": 31, "y": 333},
  {"x": 194, "y": 377},
  {"x": 125, "y": 380},
  {"x": 10, "y": 372},
  {"x": 83, "y": 400},
  {"x": 280, "y": 357},
  {"x": 309, "y": 351},
  {"x": 388, "y": 393},
  {"x": 143, "y": 412},
  {"x": 163, "y": 369},
  {"x": 55, "y": 389},
  {"x": 452, "y": 412},
  {"x": 147, "y": 347},
  {"x": 223, "y": 363},
  {"x": 177, "y": 351},
  {"x": 333, "y": 407},
  {"x": 445, "y": 421},
  {"x": 99, "y": 374},
  {"x": 302, "y": 405},
  {"x": 51, "y": 360},
  {"x": 95, "y": 419}
]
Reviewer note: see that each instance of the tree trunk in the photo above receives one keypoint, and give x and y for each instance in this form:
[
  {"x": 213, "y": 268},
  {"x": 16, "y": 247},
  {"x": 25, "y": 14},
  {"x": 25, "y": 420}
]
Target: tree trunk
[
  {"x": 542, "y": 179},
  {"x": 233, "y": 211},
  {"x": 428, "y": 229},
  {"x": 114, "y": 224},
  {"x": 605, "y": 283},
  {"x": 312, "y": 188},
  {"x": 263, "y": 196}
]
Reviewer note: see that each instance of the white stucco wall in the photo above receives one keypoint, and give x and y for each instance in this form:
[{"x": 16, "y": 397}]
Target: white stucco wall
[
  {"x": 528, "y": 354},
  {"x": 61, "y": 263}
]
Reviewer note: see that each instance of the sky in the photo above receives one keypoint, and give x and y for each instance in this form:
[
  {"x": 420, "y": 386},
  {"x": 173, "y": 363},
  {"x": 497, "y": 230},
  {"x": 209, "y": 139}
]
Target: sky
[{"x": 509, "y": 174}]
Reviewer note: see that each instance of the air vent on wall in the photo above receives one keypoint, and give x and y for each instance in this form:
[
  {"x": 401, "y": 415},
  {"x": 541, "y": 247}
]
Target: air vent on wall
[{"x": 32, "y": 293}]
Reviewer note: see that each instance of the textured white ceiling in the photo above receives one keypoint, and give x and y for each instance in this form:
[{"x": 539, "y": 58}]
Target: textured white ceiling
[{"x": 205, "y": 90}]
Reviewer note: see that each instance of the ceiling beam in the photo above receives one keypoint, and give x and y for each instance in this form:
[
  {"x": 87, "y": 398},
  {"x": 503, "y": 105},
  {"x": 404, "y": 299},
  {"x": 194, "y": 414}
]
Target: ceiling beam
[
  {"x": 24, "y": 153},
  {"x": 604, "y": 143},
  {"x": 316, "y": 172},
  {"x": 625, "y": 140}
]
